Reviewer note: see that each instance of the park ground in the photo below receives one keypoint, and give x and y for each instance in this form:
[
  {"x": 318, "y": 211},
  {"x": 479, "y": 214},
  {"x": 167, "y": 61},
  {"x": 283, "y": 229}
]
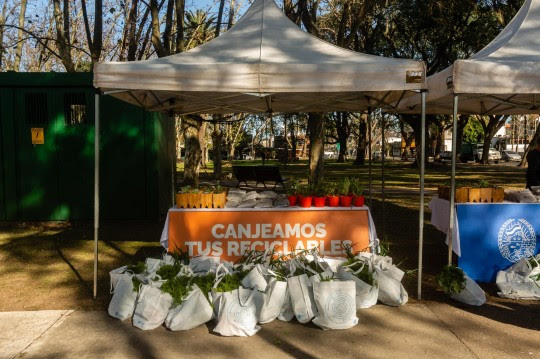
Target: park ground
[{"x": 47, "y": 278}]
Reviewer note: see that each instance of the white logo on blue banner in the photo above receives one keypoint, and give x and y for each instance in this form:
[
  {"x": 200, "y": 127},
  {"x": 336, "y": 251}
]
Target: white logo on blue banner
[{"x": 517, "y": 239}]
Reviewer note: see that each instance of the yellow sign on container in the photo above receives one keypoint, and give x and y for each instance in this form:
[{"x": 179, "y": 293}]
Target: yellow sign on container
[{"x": 38, "y": 136}]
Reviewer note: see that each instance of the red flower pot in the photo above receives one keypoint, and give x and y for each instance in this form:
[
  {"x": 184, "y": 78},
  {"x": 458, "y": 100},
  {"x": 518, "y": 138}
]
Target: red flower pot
[
  {"x": 333, "y": 201},
  {"x": 319, "y": 201},
  {"x": 292, "y": 200},
  {"x": 345, "y": 201},
  {"x": 358, "y": 201},
  {"x": 305, "y": 201}
]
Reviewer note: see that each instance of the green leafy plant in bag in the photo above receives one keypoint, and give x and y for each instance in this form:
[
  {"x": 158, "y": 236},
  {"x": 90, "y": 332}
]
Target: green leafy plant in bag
[
  {"x": 178, "y": 288},
  {"x": 452, "y": 279},
  {"x": 138, "y": 268},
  {"x": 205, "y": 283},
  {"x": 168, "y": 271}
]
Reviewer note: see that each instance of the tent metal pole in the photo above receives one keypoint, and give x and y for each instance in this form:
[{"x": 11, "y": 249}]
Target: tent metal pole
[
  {"x": 173, "y": 162},
  {"x": 422, "y": 179},
  {"x": 383, "y": 155},
  {"x": 96, "y": 190},
  {"x": 369, "y": 155},
  {"x": 453, "y": 181}
]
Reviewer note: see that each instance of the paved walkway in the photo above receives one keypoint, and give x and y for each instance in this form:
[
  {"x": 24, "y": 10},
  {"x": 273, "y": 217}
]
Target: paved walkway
[{"x": 426, "y": 330}]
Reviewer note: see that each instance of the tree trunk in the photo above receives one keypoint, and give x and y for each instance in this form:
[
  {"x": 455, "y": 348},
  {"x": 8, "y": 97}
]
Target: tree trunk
[
  {"x": 362, "y": 143},
  {"x": 20, "y": 34},
  {"x": 342, "y": 129},
  {"x": 2, "y": 23},
  {"x": 202, "y": 141},
  {"x": 439, "y": 146},
  {"x": 230, "y": 22},
  {"x": 316, "y": 147},
  {"x": 192, "y": 162},
  {"x": 490, "y": 129},
  {"x": 292, "y": 131},
  {"x": 463, "y": 120},
  {"x": 156, "y": 32},
  {"x": 534, "y": 142},
  {"x": 217, "y": 135},
  {"x": 220, "y": 17},
  {"x": 62, "y": 38}
]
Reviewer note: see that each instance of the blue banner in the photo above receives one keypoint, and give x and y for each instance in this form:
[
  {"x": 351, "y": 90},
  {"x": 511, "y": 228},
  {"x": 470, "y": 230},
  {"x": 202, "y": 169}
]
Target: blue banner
[{"x": 495, "y": 236}]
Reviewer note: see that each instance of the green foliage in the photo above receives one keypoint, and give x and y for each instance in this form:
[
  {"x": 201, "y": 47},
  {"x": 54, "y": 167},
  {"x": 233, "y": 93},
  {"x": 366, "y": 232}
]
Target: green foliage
[
  {"x": 384, "y": 246},
  {"x": 136, "y": 283},
  {"x": 365, "y": 275},
  {"x": 293, "y": 187},
  {"x": 205, "y": 283},
  {"x": 168, "y": 271},
  {"x": 344, "y": 186},
  {"x": 178, "y": 288},
  {"x": 185, "y": 189},
  {"x": 138, "y": 268},
  {"x": 451, "y": 279},
  {"x": 483, "y": 184},
  {"x": 229, "y": 282},
  {"x": 330, "y": 188},
  {"x": 305, "y": 190},
  {"x": 319, "y": 189},
  {"x": 473, "y": 132},
  {"x": 356, "y": 187}
]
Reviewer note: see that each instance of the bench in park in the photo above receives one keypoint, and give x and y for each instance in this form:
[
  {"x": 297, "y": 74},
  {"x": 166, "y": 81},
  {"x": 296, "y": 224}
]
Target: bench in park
[{"x": 259, "y": 174}]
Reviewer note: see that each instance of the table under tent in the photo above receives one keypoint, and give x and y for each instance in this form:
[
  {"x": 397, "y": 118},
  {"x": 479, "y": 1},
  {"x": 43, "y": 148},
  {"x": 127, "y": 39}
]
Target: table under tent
[
  {"x": 264, "y": 64},
  {"x": 501, "y": 79}
]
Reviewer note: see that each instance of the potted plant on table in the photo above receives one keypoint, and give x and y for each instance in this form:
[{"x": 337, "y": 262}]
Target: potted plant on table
[
  {"x": 332, "y": 198},
  {"x": 319, "y": 200},
  {"x": 345, "y": 199},
  {"x": 305, "y": 198},
  {"x": 357, "y": 189},
  {"x": 292, "y": 192}
]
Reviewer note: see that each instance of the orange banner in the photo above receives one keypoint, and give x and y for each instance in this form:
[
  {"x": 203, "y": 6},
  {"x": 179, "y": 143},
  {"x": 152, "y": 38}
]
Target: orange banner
[{"x": 229, "y": 234}]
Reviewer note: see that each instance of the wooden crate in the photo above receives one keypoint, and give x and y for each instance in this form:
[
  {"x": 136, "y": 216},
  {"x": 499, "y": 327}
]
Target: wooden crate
[
  {"x": 498, "y": 194},
  {"x": 219, "y": 199},
  {"x": 194, "y": 200},
  {"x": 461, "y": 195},
  {"x": 182, "y": 200},
  {"x": 205, "y": 200}
]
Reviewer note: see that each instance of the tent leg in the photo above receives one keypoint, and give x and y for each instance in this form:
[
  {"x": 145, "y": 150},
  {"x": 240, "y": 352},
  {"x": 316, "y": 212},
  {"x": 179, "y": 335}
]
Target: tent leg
[
  {"x": 96, "y": 192},
  {"x": 383, "y": 156},
  {"x": 173, "y": 164},
  {"x": 421, "y": 215},
  {"x": 369, "y": 155},
  {"x": 453, "y": 181}
]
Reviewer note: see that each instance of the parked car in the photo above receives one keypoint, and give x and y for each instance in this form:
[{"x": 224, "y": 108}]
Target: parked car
[
  {"x": 444, "y": 156},
  {"x": 510, "y": 156},
  {"x": 494, "y": 155}
]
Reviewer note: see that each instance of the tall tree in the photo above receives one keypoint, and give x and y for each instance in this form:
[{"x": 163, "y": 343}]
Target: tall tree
[
  {"x": 95, "y": 42},
  {"x": 316, "y": 147},
  {"x": 20, "y": 34},
  {"x": 63, "y": 43},
  {"x": 491, "y": 125}
]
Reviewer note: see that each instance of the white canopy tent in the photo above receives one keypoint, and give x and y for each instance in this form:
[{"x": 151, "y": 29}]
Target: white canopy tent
[
  {"x": 264, "y": 63},
  {"x": 501, "y": 79}
]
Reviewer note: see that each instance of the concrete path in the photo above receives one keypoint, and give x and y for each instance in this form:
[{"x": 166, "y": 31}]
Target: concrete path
[{"x": 435, "y": 330}]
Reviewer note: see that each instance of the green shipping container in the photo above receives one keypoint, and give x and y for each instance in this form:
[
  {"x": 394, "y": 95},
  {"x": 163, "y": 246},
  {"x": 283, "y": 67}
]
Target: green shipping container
[{"x": 55, "y": 180}]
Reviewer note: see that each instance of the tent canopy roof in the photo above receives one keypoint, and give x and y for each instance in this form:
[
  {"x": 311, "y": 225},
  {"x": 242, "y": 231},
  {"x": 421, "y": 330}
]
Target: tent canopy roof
[
  {"x": 265, "y": 62},
  {"x": 502, "y": 78}
]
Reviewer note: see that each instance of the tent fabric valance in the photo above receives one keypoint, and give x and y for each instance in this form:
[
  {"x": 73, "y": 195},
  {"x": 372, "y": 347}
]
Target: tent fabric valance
[
  {"x": 501, "y": 79},
  {"x": 265, "y": 62}
]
